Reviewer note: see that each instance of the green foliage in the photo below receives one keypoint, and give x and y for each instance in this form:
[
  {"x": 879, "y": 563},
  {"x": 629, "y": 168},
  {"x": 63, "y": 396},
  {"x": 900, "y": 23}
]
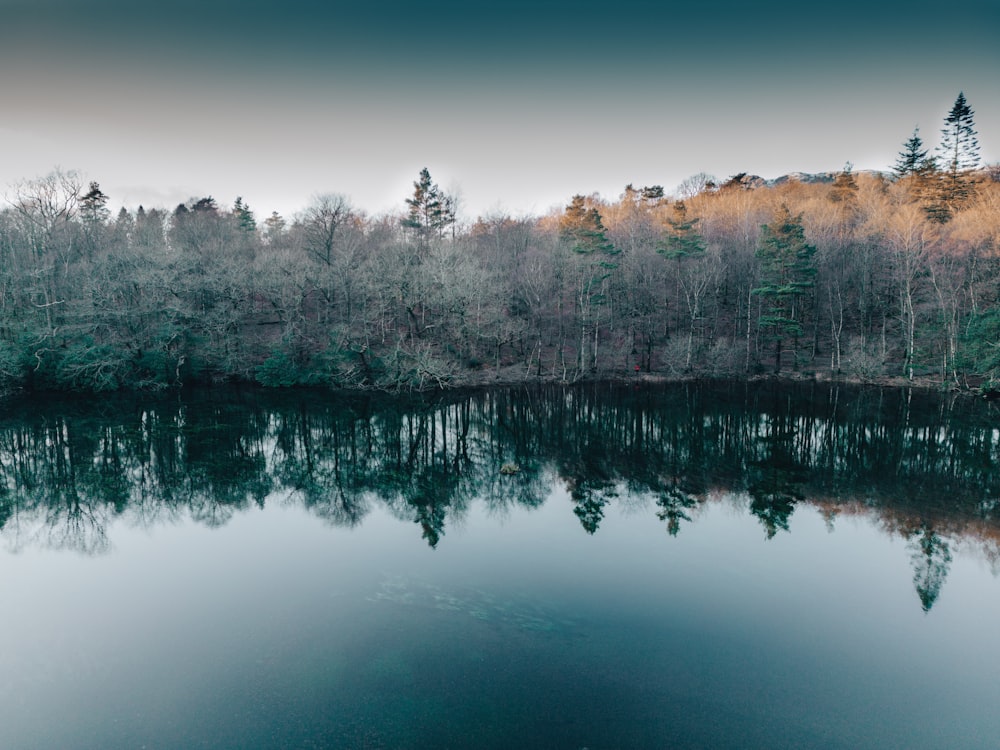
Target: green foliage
[
  {"x": 94, "y": 206},
  {"x": 787, "y": 274},
  {"x": 583, "y": 229},
  {"x": 244, "y": 216},
  {"x": 913, "y": 159},
  {"x": 431, "y": 210},
  {"x": 959, "y": 155},
  {"x": 12, "y": 365},
  {"x": 786, "y": 258},
  {"x": 979, "y": 348},
  {"x": 283, "y": 370},
  {"x": 683, "y": 239},
  {"x": 76, "y": 364},
  {"x": 959, "y": 146}
]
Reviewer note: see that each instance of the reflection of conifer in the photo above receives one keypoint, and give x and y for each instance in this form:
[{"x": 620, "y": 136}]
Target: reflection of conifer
[
  {"x": 589, "y": 509},
  {"x": 772, "y": 506},
  {"x": 931, "y": 560},
  {"x": 673, "y": 502},
  {"x": 431, "y": 518},
  {"x": 776, "y": 485}
]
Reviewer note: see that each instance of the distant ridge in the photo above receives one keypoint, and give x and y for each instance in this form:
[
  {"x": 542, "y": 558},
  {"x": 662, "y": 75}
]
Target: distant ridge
[
  {"x": 753, "y": 181},
  {"x": 819, "y": 177}
]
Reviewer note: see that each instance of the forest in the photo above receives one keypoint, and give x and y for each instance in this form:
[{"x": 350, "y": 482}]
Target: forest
[{"x": 866, "y": 276}]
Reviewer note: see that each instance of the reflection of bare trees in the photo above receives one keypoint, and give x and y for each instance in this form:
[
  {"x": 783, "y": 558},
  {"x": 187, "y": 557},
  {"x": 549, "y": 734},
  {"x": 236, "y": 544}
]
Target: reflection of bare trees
[
  {"x": 70, "y": 470},
  {"x": 79, "y": 527}
]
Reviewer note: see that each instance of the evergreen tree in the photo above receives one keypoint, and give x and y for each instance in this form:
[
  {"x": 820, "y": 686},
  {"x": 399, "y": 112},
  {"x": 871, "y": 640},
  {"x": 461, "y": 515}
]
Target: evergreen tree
[
  {"x": 95, "y": 215},
  {"x": 205, "y": 205},
  {"x": 431, "y": 210},
  {"x": 913, "y": 159},
  {"x": 244, "y": 216},
  {"x": 845, "y": 187},
  {"x": 652, "y": 193},
  {"x": 94, "y": 206},
  {"x": 149, "y": 227},
  {"x": 683, "y": 240},
  {"x": 124, "y": 227},
  {"x": 787, "y": 275},
  {"x": 274, "y": 228},
  {"x": 959, "y": 155},
  {"x": 583, "y": 228},
  {"x": 684, "y": 244},
  {"x": 959, "y": 146}
]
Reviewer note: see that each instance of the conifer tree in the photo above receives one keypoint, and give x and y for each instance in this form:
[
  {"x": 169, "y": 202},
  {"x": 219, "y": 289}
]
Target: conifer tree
[
  {"x": 95, "y": 215},
  {"x": 274, "y": 228},
  {"x": 583, "y": 230},
  {"x": 685, "y": 245},
  {"x": 959, "y": 155},
  {"x": 845, "y": 187},
  {"x": 431, "y": 210},
  {"x": 913, "y": 159},
  {"x": 244, "y": 216},
  {"x": 787, "y": 275},
  {"x": 94, "y": 206},
  {"x": 959, "y": 146}
]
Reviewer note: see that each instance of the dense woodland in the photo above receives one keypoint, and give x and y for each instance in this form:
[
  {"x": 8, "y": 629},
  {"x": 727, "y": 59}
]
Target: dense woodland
[{"x": 849, "y": 275}]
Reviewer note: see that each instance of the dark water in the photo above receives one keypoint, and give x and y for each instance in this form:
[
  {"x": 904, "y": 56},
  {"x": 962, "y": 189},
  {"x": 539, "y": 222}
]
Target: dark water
[{"x": 714, "y": 566}]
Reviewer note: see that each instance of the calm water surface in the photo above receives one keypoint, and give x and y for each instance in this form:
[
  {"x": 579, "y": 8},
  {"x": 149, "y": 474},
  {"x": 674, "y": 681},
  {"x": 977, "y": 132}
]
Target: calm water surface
[{"x": 690, "y": 566}]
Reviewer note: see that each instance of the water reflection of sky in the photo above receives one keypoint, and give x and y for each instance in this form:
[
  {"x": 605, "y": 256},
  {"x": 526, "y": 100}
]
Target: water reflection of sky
[{"x": 278, "y": 628}]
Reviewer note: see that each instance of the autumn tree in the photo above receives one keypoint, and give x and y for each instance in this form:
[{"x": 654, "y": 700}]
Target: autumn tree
[
  {"x": 907, "y": 238},
  {"x": 845, "y": 187}
]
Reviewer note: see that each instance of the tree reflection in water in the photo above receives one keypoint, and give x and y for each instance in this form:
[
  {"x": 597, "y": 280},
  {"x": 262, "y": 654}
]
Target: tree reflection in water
[
  {"x": 69, "y": 468},
  {"x": 930, "y": 556}
]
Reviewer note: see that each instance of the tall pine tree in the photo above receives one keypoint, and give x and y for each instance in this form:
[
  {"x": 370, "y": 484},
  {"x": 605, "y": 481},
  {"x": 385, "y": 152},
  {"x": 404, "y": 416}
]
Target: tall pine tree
[
  {"x": 582, "y": 229},
  {"x": 958, "y": 156},
  {"x": 914, "y": 158},
  {"x": 959, "y": 148},
  {"x": 787, "y": 276},
  {"x": 431, "y": 211}
]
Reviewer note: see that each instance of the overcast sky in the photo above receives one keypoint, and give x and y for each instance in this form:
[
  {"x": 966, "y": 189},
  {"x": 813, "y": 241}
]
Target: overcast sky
[{"x": 515, "y": 105}]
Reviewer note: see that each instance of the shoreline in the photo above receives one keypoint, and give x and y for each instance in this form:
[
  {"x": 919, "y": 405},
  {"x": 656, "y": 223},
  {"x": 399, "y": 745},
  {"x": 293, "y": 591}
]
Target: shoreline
[{"x": 485, "y": 380}]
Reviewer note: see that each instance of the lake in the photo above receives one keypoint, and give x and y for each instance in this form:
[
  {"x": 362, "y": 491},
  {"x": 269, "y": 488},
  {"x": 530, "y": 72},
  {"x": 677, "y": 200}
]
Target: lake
[{"x": 715, "y": 565}]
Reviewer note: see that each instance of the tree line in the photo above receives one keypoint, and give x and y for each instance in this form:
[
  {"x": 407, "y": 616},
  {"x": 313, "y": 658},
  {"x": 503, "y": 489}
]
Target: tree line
[{"x": 862, "y": 275}]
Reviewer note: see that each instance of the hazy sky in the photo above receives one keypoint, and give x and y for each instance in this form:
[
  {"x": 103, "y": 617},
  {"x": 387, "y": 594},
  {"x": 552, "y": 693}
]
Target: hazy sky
[{"x": 516, "y": 105}]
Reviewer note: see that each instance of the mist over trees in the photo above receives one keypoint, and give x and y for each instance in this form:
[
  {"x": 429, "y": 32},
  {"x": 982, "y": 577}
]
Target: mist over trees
[{"x": 862, "y": 275}]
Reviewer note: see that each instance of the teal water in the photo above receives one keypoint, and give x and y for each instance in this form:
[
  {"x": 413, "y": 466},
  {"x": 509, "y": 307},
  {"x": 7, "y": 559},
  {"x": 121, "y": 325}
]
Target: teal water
[{"x": 678, "y": 567}]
